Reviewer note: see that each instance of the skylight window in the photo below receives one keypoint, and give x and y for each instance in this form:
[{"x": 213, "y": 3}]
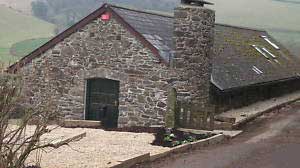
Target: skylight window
[
  {"x": 276, "y": 61},
  {"x": 270, "y": 42},
  {"x": 158, "y": 37},
  {"x": 260, "y": 51},
  {"x": 257, "y": 71},
  {"x": 149, "y": 36},
  {"x": 267, "y": 51}
]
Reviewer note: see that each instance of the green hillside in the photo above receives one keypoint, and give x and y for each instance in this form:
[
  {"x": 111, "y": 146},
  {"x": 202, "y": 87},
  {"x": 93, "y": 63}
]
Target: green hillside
[
  {"x": 16, "y": 27},
  {"x": 25, "y": 47}
]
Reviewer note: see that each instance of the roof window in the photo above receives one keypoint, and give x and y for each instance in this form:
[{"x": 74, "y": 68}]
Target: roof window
[
  {"x": 276, "y": 61},
  {"x": 260, "y": 51},
  {"x": 258, "y": 71},
  {"x": 158, "y": 37},
  {"x": 270, "y": 42},
  {"x": 149, "y": 36},
  {"x": 267, "y": 51}
]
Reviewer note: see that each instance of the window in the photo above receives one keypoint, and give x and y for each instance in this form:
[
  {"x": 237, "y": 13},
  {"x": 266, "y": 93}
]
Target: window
[
  {"x": 260, "y": 51},
  {"x": 270, "y": 42},
  {"x": 256, "y": 70},
  {"x": 267, "y": 51}
]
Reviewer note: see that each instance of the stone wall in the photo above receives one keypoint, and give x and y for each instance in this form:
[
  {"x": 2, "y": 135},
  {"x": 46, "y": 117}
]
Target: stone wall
[
  {"x": 193, "y": 37},
  {"x": 106, "y": 49},
  {"x": 101, "y": 50}
]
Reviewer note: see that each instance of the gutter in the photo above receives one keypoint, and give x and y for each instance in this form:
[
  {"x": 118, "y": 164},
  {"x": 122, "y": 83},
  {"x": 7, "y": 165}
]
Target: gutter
[{"x": 257, "y": 84}]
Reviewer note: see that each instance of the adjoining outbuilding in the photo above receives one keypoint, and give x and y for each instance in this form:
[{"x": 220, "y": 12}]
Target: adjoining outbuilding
[{"x": 120, "y": 66}]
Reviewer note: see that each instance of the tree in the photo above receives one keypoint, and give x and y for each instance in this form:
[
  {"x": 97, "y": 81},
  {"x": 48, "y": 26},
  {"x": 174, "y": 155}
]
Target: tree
[
  {"x": 40, "y": 9},
  {"x": 16, "y": 144}
]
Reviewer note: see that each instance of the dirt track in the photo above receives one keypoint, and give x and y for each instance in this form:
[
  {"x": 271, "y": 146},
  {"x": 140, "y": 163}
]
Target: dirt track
[{"x": 271, "y": 141}]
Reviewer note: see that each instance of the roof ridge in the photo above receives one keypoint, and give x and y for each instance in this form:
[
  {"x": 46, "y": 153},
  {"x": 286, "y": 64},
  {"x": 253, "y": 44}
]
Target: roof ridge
[
  {"x": 61, "y": 36},
  {"x": 241, "y": 27},
  {"x": 170, "y": 15},
  {"x": 146, "y": 11}
]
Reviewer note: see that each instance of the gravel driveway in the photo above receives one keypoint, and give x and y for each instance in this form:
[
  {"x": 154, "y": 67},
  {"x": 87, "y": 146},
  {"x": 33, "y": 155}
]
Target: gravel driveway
[{"x": 98, "y": 149}]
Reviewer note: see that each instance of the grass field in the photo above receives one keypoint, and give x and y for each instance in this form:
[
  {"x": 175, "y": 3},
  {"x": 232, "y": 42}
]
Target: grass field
[
  {"x": 5, "y": 56},
  {"x": 16, "y": 27},
  {"x": 25, "y": 47}
]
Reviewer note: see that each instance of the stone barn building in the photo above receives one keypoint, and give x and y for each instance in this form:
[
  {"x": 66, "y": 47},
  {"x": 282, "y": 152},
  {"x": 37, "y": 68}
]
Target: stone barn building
[{"x": 122, "y": 66}]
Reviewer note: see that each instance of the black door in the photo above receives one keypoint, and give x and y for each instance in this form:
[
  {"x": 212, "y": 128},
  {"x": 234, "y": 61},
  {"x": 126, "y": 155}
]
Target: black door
[{"x": 102, "y": 101}]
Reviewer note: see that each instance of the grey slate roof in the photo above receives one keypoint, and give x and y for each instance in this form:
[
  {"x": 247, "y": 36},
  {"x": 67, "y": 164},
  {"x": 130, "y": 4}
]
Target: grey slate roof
[
  {"x": 236, "y": 63},
  {"x": 156, "y": 28},
  {"x": 234, "y": 58}
]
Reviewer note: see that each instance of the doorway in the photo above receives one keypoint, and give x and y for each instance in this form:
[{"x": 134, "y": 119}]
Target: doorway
[{"x": 102, "y": 101}]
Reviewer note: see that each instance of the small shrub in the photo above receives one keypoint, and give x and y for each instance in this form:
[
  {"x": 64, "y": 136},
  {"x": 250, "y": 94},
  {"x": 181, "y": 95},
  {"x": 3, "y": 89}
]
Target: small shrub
[
  {"x": 33, "y": 167},
  {"x": 173, "y": 137}
]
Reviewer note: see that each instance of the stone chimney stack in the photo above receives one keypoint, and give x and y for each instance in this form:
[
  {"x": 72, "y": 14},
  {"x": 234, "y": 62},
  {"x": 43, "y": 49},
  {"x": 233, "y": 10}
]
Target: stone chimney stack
[{"x": 194, "y": 39}]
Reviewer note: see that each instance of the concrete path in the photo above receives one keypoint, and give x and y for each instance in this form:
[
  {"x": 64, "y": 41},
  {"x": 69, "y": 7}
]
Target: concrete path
[
  {"x": 270, "y": 141},
  {"x": 242, "y": 115}
]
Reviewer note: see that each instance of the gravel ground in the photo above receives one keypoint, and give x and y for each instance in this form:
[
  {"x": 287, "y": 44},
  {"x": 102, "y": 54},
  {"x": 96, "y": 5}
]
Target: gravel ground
[{"x": 98, "y": 149}]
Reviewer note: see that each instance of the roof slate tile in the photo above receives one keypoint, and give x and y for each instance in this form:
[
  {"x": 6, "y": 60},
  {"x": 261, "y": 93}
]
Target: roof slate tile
[{"x": 234, "y": 57}]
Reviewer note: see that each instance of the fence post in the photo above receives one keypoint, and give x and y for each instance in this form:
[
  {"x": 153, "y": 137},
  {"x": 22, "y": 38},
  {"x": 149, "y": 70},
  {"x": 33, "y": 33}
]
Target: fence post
[
  {"x": 171, "y": 115},
  {"x": 180, "y": 120}
]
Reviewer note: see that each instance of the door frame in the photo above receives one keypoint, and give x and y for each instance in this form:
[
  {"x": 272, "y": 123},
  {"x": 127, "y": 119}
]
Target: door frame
[
  {"x": 86, "y": 86},
  {"x": 85, "y": 99}
]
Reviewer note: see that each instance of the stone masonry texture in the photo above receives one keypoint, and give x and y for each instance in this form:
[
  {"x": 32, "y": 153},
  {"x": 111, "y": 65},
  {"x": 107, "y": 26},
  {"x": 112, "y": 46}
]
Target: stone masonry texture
[
  {"x": 106, "y": 49},
  {"x": 102, "y": 49},
  {"x": 193, "y": 37}
]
